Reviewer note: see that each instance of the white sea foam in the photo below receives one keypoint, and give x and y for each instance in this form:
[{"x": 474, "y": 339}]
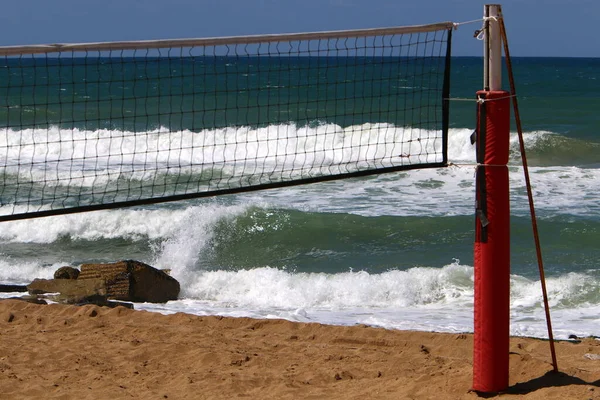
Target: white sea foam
[
  {"x": 89, "y": 158},
  {"x": 190, "y": 236},
  {"x": 19, "y": 272},
  {"x": 111, "y": 155},
  {"x": 270, "y": 287},
  {"x": 89, "y": 154},
  {"x": 431, "y": 299},
  {"x": 439, "y": 299},
  {"x": 133, "y": 224},
  {"x": 446, "y": 192}
]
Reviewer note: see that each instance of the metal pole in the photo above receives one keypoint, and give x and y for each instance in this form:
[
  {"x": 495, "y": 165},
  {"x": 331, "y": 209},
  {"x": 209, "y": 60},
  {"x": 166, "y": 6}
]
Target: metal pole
[
  {"x": 538, "y": 249},
  {"x": 492, "y": 50}
]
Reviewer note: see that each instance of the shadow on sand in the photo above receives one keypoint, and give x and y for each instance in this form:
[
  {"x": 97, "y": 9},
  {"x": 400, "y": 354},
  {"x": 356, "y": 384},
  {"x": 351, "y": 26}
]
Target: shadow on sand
[{"x": 549, "y": 379}]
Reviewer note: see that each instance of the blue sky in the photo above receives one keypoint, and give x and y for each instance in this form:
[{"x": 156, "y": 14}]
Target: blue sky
[{"x": 535, "y": 28}]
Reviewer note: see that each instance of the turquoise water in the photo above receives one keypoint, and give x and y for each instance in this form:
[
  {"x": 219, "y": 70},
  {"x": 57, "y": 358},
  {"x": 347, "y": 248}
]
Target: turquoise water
[
  {"x": 146, "y": 93},
  {"x": 557, "y": 95},
  {"x": 393, "y": 250}
]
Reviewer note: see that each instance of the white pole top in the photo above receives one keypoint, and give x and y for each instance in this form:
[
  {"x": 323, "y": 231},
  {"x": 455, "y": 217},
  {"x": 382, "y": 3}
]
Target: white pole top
[{"x": 493, "y": 48}]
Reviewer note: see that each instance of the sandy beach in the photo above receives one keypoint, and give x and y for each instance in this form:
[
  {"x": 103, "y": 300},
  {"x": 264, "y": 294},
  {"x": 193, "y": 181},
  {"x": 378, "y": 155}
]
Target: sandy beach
[{"x": 90, "y": 352}]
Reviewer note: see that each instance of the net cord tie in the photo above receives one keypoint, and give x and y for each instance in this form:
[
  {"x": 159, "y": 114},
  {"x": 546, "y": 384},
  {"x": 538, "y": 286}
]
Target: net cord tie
[
  {"x": 480, "y": 100},
  {"x": 480, "y": 33}
]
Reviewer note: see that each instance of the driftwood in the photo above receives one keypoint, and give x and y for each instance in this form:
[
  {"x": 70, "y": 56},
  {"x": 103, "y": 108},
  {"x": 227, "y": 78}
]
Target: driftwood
[
  {"x": 100, "y": 284},
  {"x": 131, "y": 280},
  {"x": 71, "y": 291},
  {"x": 68, "y": 287},
  {"x": 12, "y": 288},
  {"x": 97, "y": 299},
  {"x": 29, "y": 299}
]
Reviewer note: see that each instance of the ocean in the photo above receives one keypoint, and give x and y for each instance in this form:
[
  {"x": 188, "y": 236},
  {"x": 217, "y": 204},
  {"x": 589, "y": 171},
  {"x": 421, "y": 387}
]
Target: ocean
[{"x": 392, "y": 250}]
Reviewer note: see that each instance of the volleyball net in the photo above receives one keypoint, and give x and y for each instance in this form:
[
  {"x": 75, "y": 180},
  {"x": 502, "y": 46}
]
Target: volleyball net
[{"x": 103, "y": 125}]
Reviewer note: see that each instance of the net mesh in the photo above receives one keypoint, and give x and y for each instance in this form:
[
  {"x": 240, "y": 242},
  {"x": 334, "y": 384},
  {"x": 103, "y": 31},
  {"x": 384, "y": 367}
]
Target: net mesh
[{"x": 95, "y": 126}]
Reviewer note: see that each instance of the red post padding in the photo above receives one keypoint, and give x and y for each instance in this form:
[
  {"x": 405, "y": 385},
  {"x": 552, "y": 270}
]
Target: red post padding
[
  {"x": 497, "y": 126},
  {"x": 492, "y": 246}
]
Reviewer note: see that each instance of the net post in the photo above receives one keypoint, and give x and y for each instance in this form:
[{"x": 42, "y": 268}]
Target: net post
[
  {"x": 492, "y": 231},
  {"x": 492, "y": 48}
]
